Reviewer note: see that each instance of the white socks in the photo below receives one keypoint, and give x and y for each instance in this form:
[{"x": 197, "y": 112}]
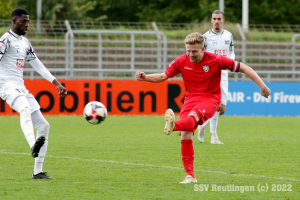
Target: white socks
[
  {"x": 39, "y": 161},
  {"x": 28, "y": 120},
  {"x": 213, "y": 126},
  {"x": 20, "y": 104},
  {"x": 26, "y": 125},
  {"x": 42, "y": 127}
]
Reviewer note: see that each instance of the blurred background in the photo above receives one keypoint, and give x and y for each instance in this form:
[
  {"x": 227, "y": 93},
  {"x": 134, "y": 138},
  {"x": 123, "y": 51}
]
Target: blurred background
[
  {"x": 110, "y": 40},
  {"x": 266, "y": 45}
]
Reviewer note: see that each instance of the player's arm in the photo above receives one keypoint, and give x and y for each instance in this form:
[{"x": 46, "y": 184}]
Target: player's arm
[
  {"x": 265, "y": 91},
  {"x": 231, "y": 53},
  {"x": 205, "y": 42},
  {"x": 62, "y": 91},
  {"x": 153, "y": 78},
  {"x": 4, "y": 43},
  {"x": 44, "y": 72}
]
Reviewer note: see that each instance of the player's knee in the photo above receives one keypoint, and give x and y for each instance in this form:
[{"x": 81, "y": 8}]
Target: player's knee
[
  {"x": 195, "y": 114},
  {"x": 46, "y": 126},
  {"x": 186, "y": 135},
  {"x": 26, "y": 111},
  {"x": 43, "y": 128}
]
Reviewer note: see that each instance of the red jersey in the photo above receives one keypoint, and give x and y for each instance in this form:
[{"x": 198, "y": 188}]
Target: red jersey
[{"x": 204, "y": 78}]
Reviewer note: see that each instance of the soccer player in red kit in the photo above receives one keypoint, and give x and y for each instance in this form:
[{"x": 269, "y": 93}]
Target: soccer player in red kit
[{"x": 201, "y": 73}]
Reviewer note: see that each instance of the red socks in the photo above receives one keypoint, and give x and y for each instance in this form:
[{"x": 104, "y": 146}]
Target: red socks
[
  {"x": 187, "y": 152},
  {"x": 186, "y": 124}
]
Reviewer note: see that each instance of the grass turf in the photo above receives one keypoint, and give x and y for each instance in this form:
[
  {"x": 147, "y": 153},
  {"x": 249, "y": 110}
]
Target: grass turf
[{"x": 129, "y": 157}]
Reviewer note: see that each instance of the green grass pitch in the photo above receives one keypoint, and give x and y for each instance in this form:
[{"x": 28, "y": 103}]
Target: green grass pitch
[{"x": 129, "y": 157}]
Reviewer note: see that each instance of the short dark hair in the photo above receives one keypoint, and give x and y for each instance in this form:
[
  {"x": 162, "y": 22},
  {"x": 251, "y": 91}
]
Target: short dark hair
[
  {"x": 218, "y": 12},
  {"x": 19, "y": 12}
]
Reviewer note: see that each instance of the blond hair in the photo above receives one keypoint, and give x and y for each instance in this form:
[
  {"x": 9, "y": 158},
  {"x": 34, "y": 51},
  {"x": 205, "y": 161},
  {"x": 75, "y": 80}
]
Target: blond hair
[{"x": 194, "y": 38}]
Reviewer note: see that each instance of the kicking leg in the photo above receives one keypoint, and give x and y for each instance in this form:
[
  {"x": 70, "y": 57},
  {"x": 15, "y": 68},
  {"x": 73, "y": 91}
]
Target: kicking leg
[{"x": 21, "y": 105}]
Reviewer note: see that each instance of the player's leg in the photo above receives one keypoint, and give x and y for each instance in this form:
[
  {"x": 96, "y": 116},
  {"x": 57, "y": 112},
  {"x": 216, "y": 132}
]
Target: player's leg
[
  {"x": 201, "y": 130},
  {"x": 17, "y": 99},
  {"x": 188, "y": 123},
  {"x": 197, "y": 113},
  {"x": 190, "y": 116},
  {"x": 187, "y": 149},
  {"x": 213, "y": 129},
  {"x": 21, "y": 105},
  {"x": 42, "y": 127},
  {"x": 221, "y": 110},
  {"x": 188, "y": 155}
]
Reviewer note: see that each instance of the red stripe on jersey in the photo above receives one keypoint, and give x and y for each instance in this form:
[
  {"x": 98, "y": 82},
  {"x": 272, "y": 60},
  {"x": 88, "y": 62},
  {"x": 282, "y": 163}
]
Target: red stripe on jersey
[
  {"x": 232, "y": 66},
  {"x": 235, "y": 66}
]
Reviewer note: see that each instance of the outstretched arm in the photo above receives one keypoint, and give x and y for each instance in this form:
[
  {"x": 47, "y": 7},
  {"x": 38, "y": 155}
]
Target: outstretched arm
[
  {"x": 265, "y": 91},
  {"x": 153, "y": 78}
]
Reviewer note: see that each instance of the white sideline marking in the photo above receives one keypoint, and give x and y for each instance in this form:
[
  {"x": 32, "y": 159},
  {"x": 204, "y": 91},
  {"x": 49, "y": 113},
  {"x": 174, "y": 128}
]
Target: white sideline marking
[{"x": 149, "y": 165}]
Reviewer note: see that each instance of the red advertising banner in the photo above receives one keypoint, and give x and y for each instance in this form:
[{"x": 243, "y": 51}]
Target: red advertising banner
[{"x": 121, "y": 97}]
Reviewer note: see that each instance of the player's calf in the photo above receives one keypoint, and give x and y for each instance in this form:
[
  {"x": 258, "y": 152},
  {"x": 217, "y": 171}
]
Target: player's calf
[{"x": 35, "y": 149}]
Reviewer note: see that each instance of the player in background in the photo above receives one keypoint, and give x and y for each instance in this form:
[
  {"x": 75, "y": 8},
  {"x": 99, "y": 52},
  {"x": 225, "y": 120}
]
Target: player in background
[
  {"x": 218, "y": 41},
  {"x": 201, "y": 73},
  {"x": 14, "y": 50}
]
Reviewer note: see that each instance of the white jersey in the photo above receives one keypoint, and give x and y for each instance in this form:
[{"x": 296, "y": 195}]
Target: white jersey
[
  {"x": 220, "y": 43},
  {"x": 14, "y": 50}
]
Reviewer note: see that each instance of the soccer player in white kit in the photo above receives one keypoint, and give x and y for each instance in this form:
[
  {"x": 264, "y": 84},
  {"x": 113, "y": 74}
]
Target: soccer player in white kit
[
  {"x": 218, "y": 41},
  {"x": 14, "y": 50}
]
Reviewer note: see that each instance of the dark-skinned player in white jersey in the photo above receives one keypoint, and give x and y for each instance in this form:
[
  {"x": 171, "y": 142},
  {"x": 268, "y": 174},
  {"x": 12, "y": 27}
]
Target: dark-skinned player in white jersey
[{"x": 15, "y": 49}]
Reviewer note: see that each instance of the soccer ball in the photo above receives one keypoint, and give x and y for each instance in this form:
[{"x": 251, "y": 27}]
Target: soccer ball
[{"x": 94, "y": 112}]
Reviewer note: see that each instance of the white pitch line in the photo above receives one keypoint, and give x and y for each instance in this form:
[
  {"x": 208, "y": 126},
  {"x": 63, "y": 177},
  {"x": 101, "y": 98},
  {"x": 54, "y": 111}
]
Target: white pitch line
[{"x": 149, "y": 165}]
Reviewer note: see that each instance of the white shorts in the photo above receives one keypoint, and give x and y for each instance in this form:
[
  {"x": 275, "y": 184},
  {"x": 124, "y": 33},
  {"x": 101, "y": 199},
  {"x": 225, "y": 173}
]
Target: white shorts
[
  {"x": 9, "y": 94},
  {"x": 224, "y": 88}
]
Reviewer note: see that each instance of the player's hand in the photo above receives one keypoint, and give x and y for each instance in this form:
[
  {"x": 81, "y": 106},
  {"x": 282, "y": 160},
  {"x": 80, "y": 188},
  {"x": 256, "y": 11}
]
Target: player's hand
[
  {"x": 60, "y": 88},
  {"x": 265, "y": 92},
  {"x": 62, "y": 91},
  {"x": 221, "y": 109},
  {"x": 140, "y": 76}
]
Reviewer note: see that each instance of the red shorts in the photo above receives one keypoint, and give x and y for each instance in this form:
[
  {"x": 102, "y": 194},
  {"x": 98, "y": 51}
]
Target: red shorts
[{"x": 204, "y": 107}]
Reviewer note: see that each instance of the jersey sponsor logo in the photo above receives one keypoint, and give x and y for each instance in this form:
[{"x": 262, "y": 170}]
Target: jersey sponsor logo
[
  {"x": 206, "y": 68},
  {"x": 221, "y": 52},
  {"x": 20, "y": 63},
  {"x": 188, "y": 68}
]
